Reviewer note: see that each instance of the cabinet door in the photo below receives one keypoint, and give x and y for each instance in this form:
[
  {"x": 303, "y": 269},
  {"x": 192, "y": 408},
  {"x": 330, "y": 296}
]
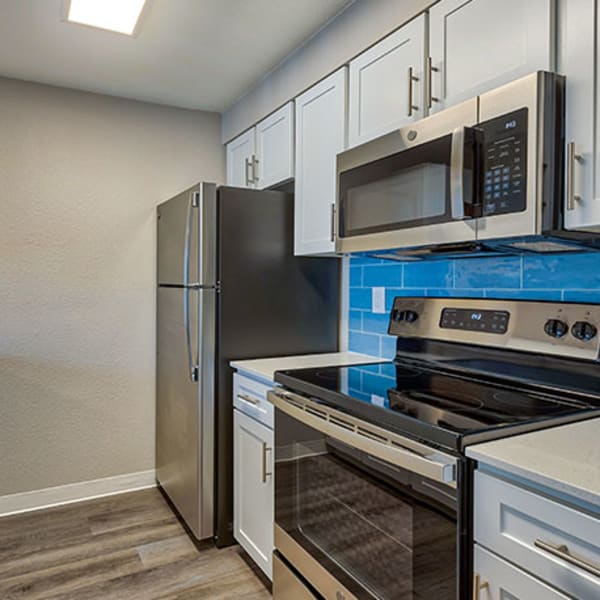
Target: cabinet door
[
  {"x": 275, "y": 148},
  {"x": 499, "y": 580},
  {"x": 476, "y": 45},
  {"x": 240, "y": 160},
  {"x": 320, "y": 136},
  {"x": 576, "y": 47},
  {"x": 253, "y": 489},
  {"x": 386, "y": 88}
]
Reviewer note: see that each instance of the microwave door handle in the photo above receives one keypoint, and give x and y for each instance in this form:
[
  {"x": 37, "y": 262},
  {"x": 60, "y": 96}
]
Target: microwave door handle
[{"x": 457, "y": 174}]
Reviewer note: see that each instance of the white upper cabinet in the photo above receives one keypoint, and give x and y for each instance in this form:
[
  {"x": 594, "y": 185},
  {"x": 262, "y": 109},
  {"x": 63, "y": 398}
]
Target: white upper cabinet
[
  {"x": 476, "y": 45},
  {"x": 263, "y": 156},
  {"x": 577, "y": 38},
  {"x": 240, "y": 160},
  {"x": 386, "y": 84},
  {"x": 275, "y": 148},
  {"x": 320, "y": 136}
]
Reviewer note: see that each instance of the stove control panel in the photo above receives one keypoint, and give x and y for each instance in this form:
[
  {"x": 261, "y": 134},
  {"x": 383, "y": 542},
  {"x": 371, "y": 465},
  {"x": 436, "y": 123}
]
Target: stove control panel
[
  {"x": 559, "y": 328},
  {"x": 487, "y": 321}
]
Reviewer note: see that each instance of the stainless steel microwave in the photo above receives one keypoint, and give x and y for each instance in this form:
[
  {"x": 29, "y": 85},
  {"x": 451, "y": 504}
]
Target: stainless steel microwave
[{"x": 488, "y": 168}]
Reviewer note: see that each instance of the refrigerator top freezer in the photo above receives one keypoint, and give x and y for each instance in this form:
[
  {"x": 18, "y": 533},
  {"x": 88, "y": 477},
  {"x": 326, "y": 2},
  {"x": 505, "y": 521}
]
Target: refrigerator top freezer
[{"x": 229, "y": 288}]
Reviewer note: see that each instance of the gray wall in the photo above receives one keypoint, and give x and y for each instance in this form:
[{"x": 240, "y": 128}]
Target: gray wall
[
  {"x": 357, "y": 28},
  {"x": 80, "y": 175}
]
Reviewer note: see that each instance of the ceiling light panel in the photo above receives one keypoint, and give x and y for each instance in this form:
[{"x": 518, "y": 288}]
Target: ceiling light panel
[{"x": 115, "y": 15}]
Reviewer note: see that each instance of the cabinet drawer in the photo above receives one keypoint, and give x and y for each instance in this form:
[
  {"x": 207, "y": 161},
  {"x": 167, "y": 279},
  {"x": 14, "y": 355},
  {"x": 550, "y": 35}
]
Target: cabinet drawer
[
  {"x": 503, "y": 580},
  {"x": 524, "y": 527},
  {"x": 250, "y": 397}
]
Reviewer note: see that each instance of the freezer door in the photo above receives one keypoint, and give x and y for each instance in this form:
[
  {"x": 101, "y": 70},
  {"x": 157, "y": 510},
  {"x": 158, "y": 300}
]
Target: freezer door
[
  {"x": 186, "y": 253},
  {"x": 185, "y": 403}
]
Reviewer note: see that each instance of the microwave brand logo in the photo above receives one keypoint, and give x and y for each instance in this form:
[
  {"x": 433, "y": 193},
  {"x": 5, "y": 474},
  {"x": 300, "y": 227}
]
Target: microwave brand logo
[{"x": 510, "y": 124}]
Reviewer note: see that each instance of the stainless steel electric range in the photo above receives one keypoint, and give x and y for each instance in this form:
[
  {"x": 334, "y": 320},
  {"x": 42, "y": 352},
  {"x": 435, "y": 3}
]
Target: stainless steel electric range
[{"x": 373, "y": 492}]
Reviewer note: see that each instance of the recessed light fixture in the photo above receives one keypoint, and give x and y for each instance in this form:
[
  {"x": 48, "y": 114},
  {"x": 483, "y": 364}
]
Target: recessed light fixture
[{"x": 115, "y": 15}]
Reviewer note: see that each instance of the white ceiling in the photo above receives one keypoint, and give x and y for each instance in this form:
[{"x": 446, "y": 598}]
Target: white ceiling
[{"x": 201, "y": 54}]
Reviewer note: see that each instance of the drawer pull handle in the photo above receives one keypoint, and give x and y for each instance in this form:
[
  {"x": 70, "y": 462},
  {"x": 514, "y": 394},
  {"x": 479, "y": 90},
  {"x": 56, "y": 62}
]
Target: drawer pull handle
[
  {"x": 249, "y": 399},
  {"x": 562, "y": 551},
  {"x": 478, "y": 585}
]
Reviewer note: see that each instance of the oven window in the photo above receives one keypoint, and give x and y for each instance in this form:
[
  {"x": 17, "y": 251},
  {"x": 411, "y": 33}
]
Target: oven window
[
  {"x": 381, "y": 531},
  {"x": 406, "y": 189}
]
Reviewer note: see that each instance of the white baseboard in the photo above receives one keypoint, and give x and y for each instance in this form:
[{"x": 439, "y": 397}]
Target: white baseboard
[{"x": 75, "y": 492}]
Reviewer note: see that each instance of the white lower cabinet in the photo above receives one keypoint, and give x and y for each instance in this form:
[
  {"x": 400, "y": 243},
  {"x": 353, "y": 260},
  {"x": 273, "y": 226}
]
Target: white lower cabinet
[
  {"x": 558, "y": 545},
  {"x": 253, "y": 489},
  {"x": 497, "y": 579}
]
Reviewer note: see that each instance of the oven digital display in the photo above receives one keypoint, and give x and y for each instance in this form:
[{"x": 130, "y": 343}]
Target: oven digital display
[{"x": 485, "y": 321}]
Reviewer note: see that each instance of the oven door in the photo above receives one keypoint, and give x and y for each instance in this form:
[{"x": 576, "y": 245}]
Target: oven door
[
  {"x": 362, "y": 513},
  {"x": 416, "y": 186}
]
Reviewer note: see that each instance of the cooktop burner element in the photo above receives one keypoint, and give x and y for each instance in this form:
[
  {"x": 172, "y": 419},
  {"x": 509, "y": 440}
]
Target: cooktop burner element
[{"x": 455, "y": 387}]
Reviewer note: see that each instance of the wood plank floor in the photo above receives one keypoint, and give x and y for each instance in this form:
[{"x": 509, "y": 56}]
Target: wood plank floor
[{"x": 129, "y": 547}]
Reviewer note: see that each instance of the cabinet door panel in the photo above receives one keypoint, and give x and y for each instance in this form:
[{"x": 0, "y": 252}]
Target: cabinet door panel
[
  {"x": 507, "y": 582},
  {"x": 477, "y": 45},
  {"x": 576, "y": 46},
  {"x": 320, "y": 136},
  {"x": 240, "y": 153},
  {"x": 253, "y": 489},
  {"x": 275, "y": 147},
  {"x": 379, "y": 84}
]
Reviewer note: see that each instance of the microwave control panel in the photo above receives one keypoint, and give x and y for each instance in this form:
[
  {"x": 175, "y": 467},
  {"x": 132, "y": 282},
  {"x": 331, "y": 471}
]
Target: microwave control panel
[{"x": 505, "y": 163}]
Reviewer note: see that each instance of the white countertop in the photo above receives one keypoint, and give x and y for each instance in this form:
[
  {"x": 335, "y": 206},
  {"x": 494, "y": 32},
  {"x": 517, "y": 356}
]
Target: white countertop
[
  {"x": 565, "y": 458},
  {"x": 265, "y": 367}
]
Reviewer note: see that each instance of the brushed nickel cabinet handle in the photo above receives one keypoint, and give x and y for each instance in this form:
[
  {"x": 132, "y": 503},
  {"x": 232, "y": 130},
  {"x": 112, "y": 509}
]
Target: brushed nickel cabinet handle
[
  {"x": 478, "y": 585},
  {"x": 265, "y": 473},
  {"x": 249, "y": 399},
  {"x": 562, "y": 551},
  {"x": 572, "y": 156},
  {"x": 248, "y": 176},
  {"x": 430, "y": 70},
  {"x": 254, "y": 169},
  {"x": 411, "y": 79},
  {"x": 332, "y": 237}
]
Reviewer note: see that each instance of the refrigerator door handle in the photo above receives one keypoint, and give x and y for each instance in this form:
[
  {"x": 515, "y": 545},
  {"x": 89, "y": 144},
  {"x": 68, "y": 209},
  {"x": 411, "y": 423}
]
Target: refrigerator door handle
[
  {"x": 192, "y": 364},
  {"x": 194, "y": 203}
]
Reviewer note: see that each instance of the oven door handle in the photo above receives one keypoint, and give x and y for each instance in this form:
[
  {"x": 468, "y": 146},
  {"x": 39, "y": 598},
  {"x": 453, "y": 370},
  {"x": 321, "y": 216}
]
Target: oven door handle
[
  {"x": 375, "y": 441},
  {"x": 466, "y": 173}
]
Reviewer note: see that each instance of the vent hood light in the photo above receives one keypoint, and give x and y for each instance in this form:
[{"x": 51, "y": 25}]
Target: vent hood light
[{"x": 115, "y": 15}]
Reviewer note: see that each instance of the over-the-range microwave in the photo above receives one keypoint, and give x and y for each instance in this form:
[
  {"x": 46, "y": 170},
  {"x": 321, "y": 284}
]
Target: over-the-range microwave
[{"x": 488, "y": 168}]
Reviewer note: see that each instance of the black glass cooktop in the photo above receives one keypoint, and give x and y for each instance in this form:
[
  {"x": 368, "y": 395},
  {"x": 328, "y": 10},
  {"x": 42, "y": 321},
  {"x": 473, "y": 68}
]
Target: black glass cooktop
[{"x": 438, "y": 407}]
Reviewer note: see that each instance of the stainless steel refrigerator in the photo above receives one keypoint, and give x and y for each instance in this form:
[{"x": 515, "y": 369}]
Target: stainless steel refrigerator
[{"x": 229, "y": 288}]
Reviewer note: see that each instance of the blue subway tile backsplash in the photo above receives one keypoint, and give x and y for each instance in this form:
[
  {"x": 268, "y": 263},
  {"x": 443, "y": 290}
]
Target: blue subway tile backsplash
[{"x": 568, "y": 278}]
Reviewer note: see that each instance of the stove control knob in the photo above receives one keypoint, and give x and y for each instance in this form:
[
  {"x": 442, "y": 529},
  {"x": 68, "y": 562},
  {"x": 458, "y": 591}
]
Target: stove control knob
[
  {"x": 556, "y": 328},
  {"x": 410, "y": 316},
  {"x": 584, "y": 331}
]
